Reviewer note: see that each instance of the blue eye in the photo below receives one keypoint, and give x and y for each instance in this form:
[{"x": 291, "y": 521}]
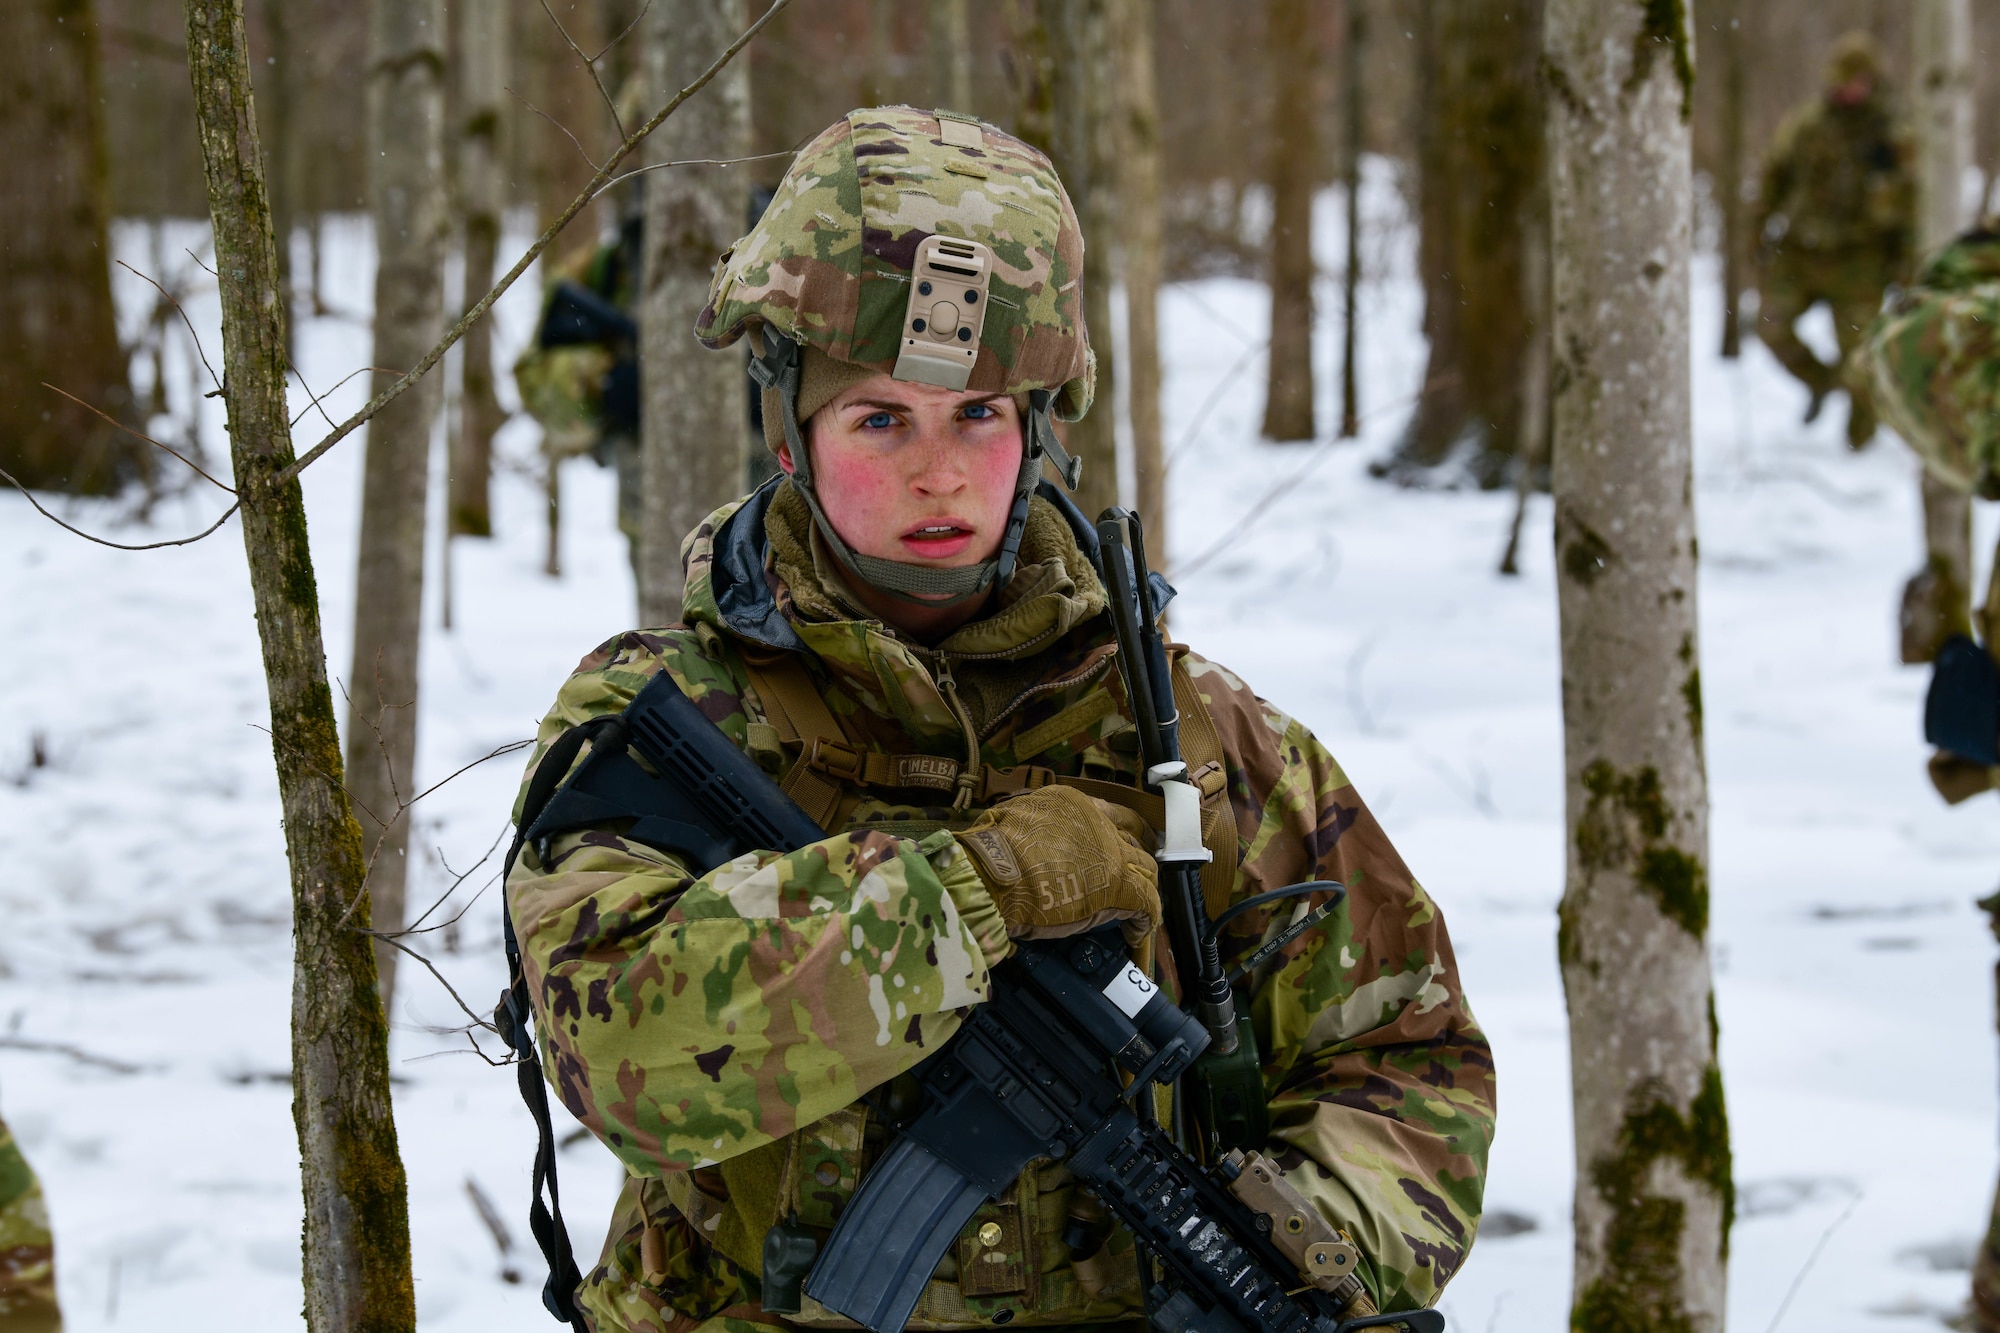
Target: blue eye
[
  {"x": 980, "y": 412},
  {"x": 878, "y": 421}
]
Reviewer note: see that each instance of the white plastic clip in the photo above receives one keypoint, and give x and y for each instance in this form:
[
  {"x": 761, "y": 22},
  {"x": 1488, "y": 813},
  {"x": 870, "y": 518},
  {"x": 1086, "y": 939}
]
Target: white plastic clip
[{"x": 1182, "y": 838}]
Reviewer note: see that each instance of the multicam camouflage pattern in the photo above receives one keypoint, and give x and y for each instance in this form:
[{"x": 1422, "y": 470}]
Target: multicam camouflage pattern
[
  {"x": 1933, "y": 363},
  {"x": 27, "y": 1251},
  {"x": 562, "y": 388},
  {"x": 1842, "y": 178},
  {"x": 829, "y": 263},
  {"x": 1838, "y": 216},
  {"x": 721, "y": 1024}
]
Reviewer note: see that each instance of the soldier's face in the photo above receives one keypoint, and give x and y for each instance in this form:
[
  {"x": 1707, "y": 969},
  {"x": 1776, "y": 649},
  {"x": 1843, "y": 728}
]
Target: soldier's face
[
  {"x": 1854, "y": 92},
  {"x": 916, "y": 473}
]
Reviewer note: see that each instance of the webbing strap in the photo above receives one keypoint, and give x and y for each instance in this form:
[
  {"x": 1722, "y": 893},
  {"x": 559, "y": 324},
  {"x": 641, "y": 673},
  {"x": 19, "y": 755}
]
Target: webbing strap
[
  {"x": 1201, "y": 750},
  {"x": 793, "y": 705},
  {"x": 513, "y": 1016}
]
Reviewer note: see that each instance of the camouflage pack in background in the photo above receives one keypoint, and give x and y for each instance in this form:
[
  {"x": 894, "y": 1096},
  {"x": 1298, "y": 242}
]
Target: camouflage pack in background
[
  {"x": 830, "y": 262},
  {"x": 27, "y": 1251},
  {"x": 1933, "y": 363},
  {"x": 715, "y": 1026}
]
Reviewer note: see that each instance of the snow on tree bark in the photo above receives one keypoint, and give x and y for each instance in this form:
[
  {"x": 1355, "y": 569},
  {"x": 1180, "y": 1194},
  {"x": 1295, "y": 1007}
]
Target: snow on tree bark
[
  {"x": 407, "y": 198},
  {"x": 357, "y": 1234},
  {"x": 693, "y": 434},
  {"x": 1653, "y": 1198}
]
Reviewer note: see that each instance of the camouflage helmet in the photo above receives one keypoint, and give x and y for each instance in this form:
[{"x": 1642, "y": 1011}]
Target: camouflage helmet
[
  {"x": 1854, "y": 56},
  {"x": 834, "y": 268}
]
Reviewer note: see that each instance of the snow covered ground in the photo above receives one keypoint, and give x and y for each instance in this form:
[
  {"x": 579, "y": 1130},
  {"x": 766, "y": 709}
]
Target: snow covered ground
[{"x": 145, "y": 964}]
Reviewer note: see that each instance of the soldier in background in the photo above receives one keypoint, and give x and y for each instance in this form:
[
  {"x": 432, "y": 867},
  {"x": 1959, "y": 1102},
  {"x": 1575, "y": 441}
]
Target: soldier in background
[
  {"x": 27, "y": 1251},
  {"x": 580, "y": 377},
  {"x": 1837, "y": 220}
]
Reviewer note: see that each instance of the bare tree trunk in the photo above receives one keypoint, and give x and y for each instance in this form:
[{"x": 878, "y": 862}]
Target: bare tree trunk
[
  {"x": 1531, "y": 456},
  {"x": 406, "y": 138},
  {"x": 1137, "y": 153},
  {"x": 1480, "y": 150},
  {"x": 1080, "y": 51},
  {"x": 548, "y": 74},
  {"x": 1288, "y": 396},
  {"x": 1941, "y": 32},
  {"x": 1730, "y": 188},
  {"x": 1030, "y": 69},
  {"x": 1653, "y": 1183},
  {"x": 1351, "y": 279},
  {"x": 948, "y": 53},
  {"x": 280, "y": 117},
  {"x": 56, "y": 321},
  {"x": 357, "y": 1234},
  {"x": 482, "y": 53},
  {"x": 552, "y": 509},
  {"x": 692, "y": 441}
]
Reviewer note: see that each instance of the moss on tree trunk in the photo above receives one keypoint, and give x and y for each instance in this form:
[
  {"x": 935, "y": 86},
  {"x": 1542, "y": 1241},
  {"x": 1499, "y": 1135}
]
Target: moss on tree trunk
[
  {"x": 357, "y": 1237},
  {"x": 1653, "y": 1191}
]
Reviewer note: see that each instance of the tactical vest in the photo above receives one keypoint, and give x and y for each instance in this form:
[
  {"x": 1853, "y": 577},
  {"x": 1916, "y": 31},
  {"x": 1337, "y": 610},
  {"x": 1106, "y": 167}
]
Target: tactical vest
[{"x": 1044, "y": 1251}]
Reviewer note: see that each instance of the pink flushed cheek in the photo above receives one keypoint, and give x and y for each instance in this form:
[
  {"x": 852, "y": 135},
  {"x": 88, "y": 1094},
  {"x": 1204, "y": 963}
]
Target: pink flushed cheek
[{"x": 861, "y": 494}]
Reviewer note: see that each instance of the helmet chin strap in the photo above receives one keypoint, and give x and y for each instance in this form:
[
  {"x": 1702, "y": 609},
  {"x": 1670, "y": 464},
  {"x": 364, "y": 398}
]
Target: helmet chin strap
[{"x": 776, "y": 367}]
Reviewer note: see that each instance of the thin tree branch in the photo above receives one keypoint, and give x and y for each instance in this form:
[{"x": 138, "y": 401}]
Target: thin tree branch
[
  {"x": 508, "y": 748},
  {"x": 174, "y": 301},
  {"x": 140, "y": 435},
  {"x": 626, "y": 31},
  {"x": 577, "y": 205},
  {"x": 590, "y": 64},
  {"x": 455, "y": 917},
  {"x": 584, "y": 152},
  {"x": 76, "y": 1053},
  {"x": 700, "y": 162},
  {"x": 365, "y": 370},
  {"x": 116, "y": 546},
  {"x": 394, "y": 943},
  {"x": 1319, "y": 454}
]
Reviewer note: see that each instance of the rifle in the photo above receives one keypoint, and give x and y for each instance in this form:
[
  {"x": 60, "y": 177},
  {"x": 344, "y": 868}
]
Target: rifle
[
  {"x": 1059, "y": 1063},
  {"x": 1035, "y": 1073}
]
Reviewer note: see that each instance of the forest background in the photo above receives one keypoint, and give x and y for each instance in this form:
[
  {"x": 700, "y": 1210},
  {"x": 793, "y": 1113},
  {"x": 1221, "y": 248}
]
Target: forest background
[{"x": 1261, "y": 106}]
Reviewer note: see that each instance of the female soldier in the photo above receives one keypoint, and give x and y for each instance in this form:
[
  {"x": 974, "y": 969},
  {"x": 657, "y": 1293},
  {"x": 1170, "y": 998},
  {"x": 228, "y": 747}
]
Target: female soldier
[{"x": 905, "y": 629}]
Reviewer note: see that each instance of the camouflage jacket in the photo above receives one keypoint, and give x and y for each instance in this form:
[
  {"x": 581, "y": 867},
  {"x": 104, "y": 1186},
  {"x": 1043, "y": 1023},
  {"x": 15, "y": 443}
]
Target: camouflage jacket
[
  {"x": 722, "y": 1021},
  {"x": 1843, "y": 179},
  {"x": 1932, "y": 361}
]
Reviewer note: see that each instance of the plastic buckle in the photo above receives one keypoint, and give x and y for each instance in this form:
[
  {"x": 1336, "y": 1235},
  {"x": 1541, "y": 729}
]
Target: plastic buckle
[{"x": 835, "y": 759}]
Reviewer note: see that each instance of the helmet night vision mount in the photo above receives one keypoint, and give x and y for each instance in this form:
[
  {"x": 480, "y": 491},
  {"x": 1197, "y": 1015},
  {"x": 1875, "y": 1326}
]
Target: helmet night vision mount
[{"x": 947, "y": 309}]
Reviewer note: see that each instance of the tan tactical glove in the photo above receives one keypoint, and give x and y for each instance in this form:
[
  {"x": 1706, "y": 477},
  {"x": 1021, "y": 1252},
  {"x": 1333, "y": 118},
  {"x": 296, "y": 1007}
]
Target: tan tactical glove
[{"x": 1058, "y": 862}]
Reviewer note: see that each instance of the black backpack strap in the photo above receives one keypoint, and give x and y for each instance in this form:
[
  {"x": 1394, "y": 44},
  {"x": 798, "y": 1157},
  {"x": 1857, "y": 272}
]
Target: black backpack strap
[{"x": 513, "y": 1017}]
